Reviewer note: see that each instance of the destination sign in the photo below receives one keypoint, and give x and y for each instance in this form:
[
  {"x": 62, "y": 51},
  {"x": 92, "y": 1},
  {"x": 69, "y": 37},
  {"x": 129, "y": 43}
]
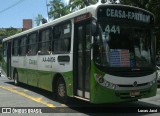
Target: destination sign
[{"x": 125, "y": 13}]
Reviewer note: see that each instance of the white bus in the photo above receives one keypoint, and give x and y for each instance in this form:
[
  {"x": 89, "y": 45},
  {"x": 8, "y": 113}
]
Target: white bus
[{"x": 103, "y": 53}]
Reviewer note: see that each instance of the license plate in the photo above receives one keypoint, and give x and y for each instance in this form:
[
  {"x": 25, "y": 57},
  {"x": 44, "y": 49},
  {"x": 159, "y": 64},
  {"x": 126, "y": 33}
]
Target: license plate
[{"x": 134, "y": 93}]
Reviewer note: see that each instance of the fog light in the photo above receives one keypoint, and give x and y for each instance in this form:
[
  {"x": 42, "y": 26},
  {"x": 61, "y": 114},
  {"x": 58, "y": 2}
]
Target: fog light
[
  {"x": 107, "y": 84},
  {"x": 101, "y": 80}
]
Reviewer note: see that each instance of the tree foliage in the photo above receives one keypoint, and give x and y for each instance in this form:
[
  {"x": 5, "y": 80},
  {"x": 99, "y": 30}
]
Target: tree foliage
[
  {"x": 8, "y": 32},
  {"x": 38, "y": 19},
  {"x": 76, "y": 5},
  {"x": 58, "y": 9}
]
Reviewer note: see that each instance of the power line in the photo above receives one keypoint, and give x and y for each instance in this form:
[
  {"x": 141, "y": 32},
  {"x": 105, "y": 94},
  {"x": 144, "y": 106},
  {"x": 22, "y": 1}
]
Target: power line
[{"x": 13, "y": 5}]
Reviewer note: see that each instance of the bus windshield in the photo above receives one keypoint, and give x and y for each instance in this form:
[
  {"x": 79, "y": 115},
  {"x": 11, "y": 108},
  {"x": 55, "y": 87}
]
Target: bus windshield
[{"x": 124, "y": 46}]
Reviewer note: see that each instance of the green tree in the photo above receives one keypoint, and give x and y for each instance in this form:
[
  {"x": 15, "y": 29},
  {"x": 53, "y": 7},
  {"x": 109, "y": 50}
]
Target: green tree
[
  {"x": 79, "y": 4},
  {"x": 11, "y": 31},
  {"x": 38, "y": 19},
  {"x": 58, "y": 9},
  {"x": 8, "y": 32},
  {"x": 76, "y": 5}
]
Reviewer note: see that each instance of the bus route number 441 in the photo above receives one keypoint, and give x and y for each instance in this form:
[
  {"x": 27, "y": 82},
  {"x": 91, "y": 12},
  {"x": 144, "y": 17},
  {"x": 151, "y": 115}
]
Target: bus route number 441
[{"x": 114, "y": 29}]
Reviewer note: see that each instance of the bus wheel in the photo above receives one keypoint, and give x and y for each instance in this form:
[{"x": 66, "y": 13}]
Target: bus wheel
[
  {"x": 61, "y": 91},
  {"x": 16, "y": 78}
]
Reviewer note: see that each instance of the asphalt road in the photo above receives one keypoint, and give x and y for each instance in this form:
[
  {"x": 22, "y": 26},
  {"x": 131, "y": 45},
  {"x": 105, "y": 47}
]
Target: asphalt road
[{"x": 26, "y": 99}]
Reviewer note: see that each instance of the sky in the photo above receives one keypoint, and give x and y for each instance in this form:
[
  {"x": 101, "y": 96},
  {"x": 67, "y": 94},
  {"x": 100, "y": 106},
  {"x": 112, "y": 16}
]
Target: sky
[{"x": 12, "y": 12}]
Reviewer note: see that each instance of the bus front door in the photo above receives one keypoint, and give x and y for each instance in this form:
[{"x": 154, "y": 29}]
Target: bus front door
[
  {"x": 9, "y": 60},
  {"x": 82, "y": 56}
]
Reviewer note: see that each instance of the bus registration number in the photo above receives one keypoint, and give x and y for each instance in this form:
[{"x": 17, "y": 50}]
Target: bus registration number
[{"x": 134, "y": 93}]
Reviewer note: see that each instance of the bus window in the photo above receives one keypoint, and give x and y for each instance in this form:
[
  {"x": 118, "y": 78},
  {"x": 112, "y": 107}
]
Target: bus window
[
  {"x": 5, "y": 49},
  {"x": 32, "y": 45},
  {"x": 15, "y": 47},
  {"x": 45, "y": 42},
  {"x": 62, "y": 38},
  {"x": 23, "y": 46},
  {"x": 126, "y": 46}
]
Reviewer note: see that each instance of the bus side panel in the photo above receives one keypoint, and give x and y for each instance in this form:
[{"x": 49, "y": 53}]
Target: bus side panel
[
  {"x": 45, "y": 80},
  {"x": 36, "y": 78},
  {"x": 68, "y": 77},
  {"x": 22, "y": 75},
  {"x": 32, "y": 78},
  {"x": 18, "y": 66},
  {"x": 44, "y": 72},
  {"x": 15, "y": 64},
  {"x": 4, "y": 65},
  {"x": 22, "y": 71},
  {"x": 32, "y": 73}
]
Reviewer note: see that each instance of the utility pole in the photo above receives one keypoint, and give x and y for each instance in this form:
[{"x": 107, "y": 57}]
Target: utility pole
[{"x": 47, "y": 5}]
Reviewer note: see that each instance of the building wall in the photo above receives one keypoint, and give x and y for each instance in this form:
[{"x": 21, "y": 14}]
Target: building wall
[{"x": 27, "y": 24}]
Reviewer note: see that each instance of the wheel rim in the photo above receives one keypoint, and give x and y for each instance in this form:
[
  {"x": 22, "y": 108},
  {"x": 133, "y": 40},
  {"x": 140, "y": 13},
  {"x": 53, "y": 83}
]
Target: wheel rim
[{"x": 61, "y": 90}]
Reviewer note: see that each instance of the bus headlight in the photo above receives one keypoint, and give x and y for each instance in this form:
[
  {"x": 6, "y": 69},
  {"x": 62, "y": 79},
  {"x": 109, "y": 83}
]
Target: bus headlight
[
  {"x": 104, "y": 82},
  {"x": 113, "y": 86},
  {"x": 101, "y": 80},
  {"x": 110, "y": 85},
  {"x": 107, "y": 84}
]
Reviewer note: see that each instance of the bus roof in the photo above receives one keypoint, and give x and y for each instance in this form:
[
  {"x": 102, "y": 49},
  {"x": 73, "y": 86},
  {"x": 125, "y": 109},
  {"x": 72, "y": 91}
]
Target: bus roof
[{"x": 91, "y": 9}]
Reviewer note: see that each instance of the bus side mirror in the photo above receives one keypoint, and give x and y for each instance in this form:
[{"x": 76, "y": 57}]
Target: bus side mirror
[{"x": 94, "y": 28}]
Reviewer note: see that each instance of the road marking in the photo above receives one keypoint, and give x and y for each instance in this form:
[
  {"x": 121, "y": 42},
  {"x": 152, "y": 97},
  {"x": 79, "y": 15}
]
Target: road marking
[
  {"x": 39, "y": 100},
  {"x": 63, "y": 105}
]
